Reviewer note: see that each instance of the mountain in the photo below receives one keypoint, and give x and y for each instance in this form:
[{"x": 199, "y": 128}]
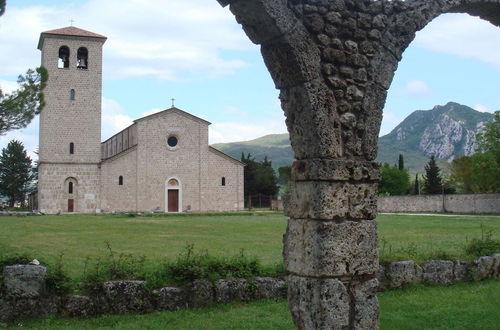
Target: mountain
[
  {"x": 447, "y": 131},
  {"x": 275, "y": 146}
]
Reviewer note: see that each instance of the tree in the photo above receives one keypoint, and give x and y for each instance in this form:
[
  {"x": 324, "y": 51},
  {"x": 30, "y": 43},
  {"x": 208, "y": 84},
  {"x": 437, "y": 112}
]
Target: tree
[
  {"x": 433, "y": 182},
  {"x": 401, "y": 162},
  {"x": 2, "y": 7},
  {"x": 416, "y": 186},
  {"x": 394, "y": 181},
  {"x": 489, "y": 139},
  {"x": 461, "y": 175},
  {"x": 259, "y": 177},
  {"x": 15, "y": 172},
  {"x": 20, "y": 107}
]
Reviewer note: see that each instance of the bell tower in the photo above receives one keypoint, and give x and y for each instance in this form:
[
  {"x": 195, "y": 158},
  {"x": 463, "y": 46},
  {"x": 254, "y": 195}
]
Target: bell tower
[{"x": 70, "y": 123}]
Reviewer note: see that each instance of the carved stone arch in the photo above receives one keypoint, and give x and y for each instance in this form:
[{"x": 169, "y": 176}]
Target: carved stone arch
[{"x": 333, "y": 62}]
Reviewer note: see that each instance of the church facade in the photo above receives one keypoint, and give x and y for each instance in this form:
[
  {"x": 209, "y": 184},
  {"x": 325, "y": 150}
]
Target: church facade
[{"x": 161, "y": 162}]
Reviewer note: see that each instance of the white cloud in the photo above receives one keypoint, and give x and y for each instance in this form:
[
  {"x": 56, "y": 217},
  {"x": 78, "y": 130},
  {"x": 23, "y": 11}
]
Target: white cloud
[
  {"x": 482, "y": 108},
  {"x": 113, "y": 118},
  {"x": 238, "y": 131},
  {"x": 8, "y": 87},
  {"x": 417, "y": 88},
  {"x": 169, "y": 40},
  {"x": 28, "y": 136},
  {"x": 389, "y": 121},
  {"x": 463, "y": 35}
]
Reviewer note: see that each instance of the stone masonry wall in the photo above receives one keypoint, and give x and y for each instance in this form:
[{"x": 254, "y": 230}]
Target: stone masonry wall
[
  {"x": 62, "y": 120},
  {"x": 197, "y": 169},
  {"x": 115, "y": 197},
  {"x": 474, "y": 203},
  {"x": 223, "y": 198},
  {"x": 25, "y": 295},
  {"x": 53, "y": 188}
]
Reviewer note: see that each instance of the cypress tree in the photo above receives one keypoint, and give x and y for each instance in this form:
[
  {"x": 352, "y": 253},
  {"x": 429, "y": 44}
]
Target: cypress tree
[
  {"x": 433, "y": 183},
  {"x": 401, "y": 162},
  {"x": 417, "y": 185}
]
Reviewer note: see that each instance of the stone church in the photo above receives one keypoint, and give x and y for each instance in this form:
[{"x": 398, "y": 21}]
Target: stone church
[{"x": 161, "y": 162}]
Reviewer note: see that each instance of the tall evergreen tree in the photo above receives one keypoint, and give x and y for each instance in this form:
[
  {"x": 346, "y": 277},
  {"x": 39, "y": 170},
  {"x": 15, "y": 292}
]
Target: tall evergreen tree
[
  {"x": 416, "y": 187},
  {"x": 433, "y": 182},
  {"x": 401, "y": 162},
  {"x": 15, "y": 172}
]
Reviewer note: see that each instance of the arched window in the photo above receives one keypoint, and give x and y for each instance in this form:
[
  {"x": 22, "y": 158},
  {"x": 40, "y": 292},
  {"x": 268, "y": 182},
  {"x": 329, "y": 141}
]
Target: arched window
[
  {"x": 120, "y": 180},
  {"x": 223, "y": 181},
  {"x": 71, "y": 148},
  {"x": 72, "y": 95},
  {"x": 63, "y": 57},
  {"x": 70, "y": 187},
  {"x": 82, "y": 58}
]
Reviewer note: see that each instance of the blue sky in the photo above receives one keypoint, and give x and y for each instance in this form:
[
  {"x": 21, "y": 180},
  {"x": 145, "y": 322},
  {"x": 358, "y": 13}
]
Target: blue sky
[{"x": 195, "y": 52}]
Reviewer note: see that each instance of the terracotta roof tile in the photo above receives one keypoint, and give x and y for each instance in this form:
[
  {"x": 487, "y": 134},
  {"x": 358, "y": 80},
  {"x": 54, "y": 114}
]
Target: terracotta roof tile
[{"x": 69, "y": 31}]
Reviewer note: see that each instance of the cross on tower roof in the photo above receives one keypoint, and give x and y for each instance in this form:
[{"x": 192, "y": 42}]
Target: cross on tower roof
[
  {"x": 71, "y": 21},
  {"x": 173, "y": 102}
]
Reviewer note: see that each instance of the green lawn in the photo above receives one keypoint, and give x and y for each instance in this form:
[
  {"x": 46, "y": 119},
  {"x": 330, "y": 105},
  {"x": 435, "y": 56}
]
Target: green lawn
[
  {"x": 460, "y": 306},
  {"x": 163, "y": 237}
]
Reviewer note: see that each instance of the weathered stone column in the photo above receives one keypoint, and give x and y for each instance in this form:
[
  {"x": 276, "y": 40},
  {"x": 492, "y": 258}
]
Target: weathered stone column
[{"x": 333, "y": 61}]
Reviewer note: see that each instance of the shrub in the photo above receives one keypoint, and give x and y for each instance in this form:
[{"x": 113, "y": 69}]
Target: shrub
[
  {"x": 483, "y": 246},
  {"x": 110, "y": 268},
  {"x": 56, "y": 279}
]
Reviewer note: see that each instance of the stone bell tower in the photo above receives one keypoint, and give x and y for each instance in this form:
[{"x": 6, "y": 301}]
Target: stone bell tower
[{"x": 70, "y": 123}]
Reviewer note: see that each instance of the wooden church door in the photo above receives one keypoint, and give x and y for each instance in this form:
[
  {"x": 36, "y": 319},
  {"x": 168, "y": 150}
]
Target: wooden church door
[{"x": 173, "y": 200}]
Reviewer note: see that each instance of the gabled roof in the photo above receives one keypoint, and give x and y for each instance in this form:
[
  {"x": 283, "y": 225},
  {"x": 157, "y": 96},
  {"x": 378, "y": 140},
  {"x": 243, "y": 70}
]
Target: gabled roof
[
  {"x": 71, "y": 31},
  {"x": 175, "y": 110},
  {"x": 220, "y": 153}
]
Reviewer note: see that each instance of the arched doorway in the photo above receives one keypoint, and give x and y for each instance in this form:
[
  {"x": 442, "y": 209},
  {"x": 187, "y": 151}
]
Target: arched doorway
[
  {"x": 173, "y": 195},
  {"x": 71, "y": 195}
]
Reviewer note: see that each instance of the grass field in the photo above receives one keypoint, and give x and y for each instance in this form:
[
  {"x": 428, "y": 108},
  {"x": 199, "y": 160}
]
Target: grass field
[
  {"x": 161, "y": 237},
  {"x": 460, "y": 306}
]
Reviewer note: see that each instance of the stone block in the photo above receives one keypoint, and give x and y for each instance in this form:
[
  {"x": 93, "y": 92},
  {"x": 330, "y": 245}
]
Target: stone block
[
  {"x": 330, "y": 248},
  {"x": 23, "y": 308},
  {"x": 311, "y": 121},
  {"x": 79, "y": 306},
  {"x": 438, "y": 272},
  {"x": 332, "y": 200},
  {"x": 496, "y": 264},
  {"x": 365, "y": 304},
  {"x": 169, "y": 298},
  {"x": 262, "y": 20},
  {"x": 335, "y": 170},
  {"x": 318, "y": 303},
  {"x": 201, "y": 293},
  {"x": 461, "y": 271},
  {"x": 400, "y": 273},
  {"x": 127, "y": 297},
  {"x": 482, "y": 268},
  {"x": 229, "y": 290},
  {"x": 269, "y": 287},
  {"x": 24, "y": 281},
  {"x": 297, "y": 50}
]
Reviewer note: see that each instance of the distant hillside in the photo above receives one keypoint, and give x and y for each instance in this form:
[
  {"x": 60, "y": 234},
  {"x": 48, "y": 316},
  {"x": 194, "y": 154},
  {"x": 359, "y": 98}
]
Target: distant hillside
[
  {"x": 447, "y": 131},
  {"x": 275, "y": 146}
]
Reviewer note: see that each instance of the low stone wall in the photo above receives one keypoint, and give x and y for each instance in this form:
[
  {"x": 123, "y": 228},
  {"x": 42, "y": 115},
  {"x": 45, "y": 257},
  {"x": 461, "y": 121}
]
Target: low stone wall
[
  {"x": 24, "y": 294},
  {"x": 473, "y": 203}
]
